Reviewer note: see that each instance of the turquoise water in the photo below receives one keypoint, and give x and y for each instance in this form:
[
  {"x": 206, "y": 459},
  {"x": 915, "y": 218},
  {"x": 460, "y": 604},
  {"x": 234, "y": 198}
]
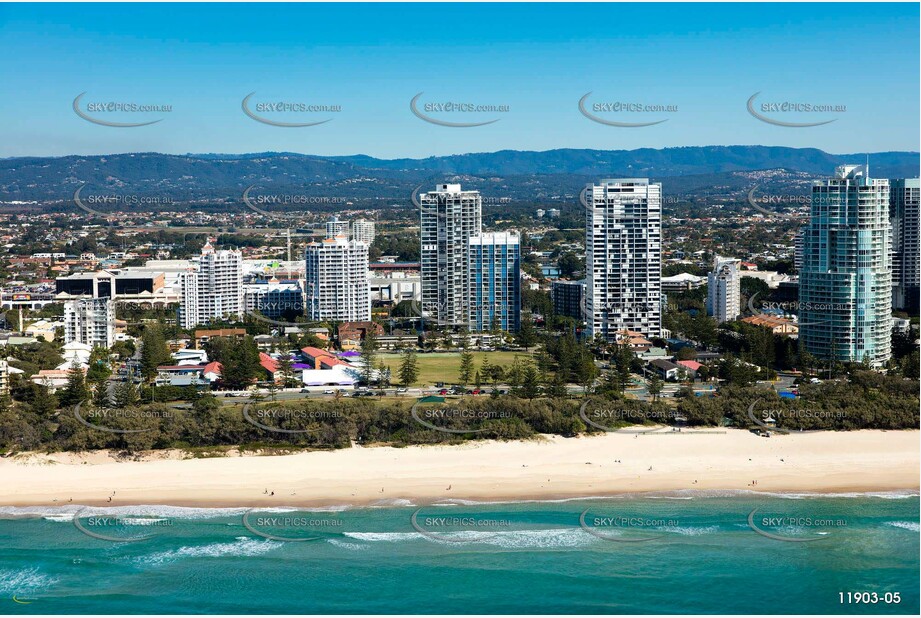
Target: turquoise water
[{"x": 702, "y": 556}]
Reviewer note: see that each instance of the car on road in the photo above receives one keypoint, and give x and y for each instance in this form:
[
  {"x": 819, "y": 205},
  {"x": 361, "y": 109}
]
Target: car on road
[
  {"x": 402, "y": 390},
  {"x": 329, "y": 392}
]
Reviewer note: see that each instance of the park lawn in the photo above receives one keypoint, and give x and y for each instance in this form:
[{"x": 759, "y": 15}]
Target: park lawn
[{"x": 445, "y": 366}]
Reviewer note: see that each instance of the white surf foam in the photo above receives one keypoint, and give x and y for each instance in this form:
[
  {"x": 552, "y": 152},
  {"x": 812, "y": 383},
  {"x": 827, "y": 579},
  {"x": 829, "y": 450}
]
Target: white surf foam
[
  {"x": 349, "y": 546},
  {"x": 25, "y": 581},
  {"x": 690, "y": 530},
  {"x": 907, "y": 525},
  {"x": 515, "y": 539},
  {"x": 242, "y": 546}
]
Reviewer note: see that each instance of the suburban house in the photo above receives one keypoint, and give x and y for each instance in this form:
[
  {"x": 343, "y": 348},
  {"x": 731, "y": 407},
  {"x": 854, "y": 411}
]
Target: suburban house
[
  {"x": 667, "y": 370},
  {"x": 204, "y": 336},
  {"x": 190, "y": 357},
  {"x": 778, "y": 326},
  {"x": 690, "y": 367},
  {"x": 351, "y": 334},
  {"x": 53, "y": 378},
  {"x": 181, "y": 375}
]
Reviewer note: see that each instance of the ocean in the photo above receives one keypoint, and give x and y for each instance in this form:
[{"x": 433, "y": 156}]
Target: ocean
[{"x": 676, "y": 552}]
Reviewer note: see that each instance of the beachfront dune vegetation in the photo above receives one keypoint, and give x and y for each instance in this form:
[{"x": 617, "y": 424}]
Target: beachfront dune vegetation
[{"x": 867, "y": 400}]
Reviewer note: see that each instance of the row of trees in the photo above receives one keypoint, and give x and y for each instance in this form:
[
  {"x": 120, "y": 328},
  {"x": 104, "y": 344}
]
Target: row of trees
[{"x": 867, "y": 400}]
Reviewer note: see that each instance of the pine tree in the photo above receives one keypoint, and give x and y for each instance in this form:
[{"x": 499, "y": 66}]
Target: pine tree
[
  {"x": 485, "y": 369},
  {"x": 554, "y": 386},
  {"x": 409, "y": 368},
  {"x": 526, "y": 335},
  {"x": 530, "y": 382},
  {"x": 76, "y": 390},
  {"x": 466, "y": 367},
  {"x": 286, "y": 371},
  {"x": 153, "y": 351},
  {"x": 654, "y": 386},
  {"x": 126, "y": 394},
  {"x": 369, "y": 347},
  {"x": 44, "y": 403}
]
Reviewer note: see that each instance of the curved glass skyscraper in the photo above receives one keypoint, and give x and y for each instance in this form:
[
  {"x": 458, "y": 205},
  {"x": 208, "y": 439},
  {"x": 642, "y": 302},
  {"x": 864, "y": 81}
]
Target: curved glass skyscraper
[{"x": 846, "y": 281}]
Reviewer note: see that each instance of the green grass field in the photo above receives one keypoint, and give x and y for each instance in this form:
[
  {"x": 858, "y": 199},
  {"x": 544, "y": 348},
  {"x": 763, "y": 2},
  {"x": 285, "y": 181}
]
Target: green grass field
[{"x": 445, "y": 366}]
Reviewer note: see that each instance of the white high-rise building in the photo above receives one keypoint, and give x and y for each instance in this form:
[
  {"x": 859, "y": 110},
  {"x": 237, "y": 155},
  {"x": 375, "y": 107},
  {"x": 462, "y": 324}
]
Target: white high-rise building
[
  {"x": 336, "y": 227},
  {"x": 448, "y": 218},
  {"x": 845, "y": 292},
  {"x": 623, "y": 257},
  {"x": 363, "y": 231},
  {"x": 723, "y": 289},
  {"x": 90, "y": 321},
  {"x": 798, "y": 241},
  {"x": 906, "y": 267},
  {"x": 336, "y": 286},
  {"x": 212, "y": 287}
]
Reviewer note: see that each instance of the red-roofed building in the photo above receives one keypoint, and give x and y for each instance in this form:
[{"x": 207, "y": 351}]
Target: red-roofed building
[
  {"x": 691, "y": 366},
  {"x": 351, "y": 334},
  {"x": 270, "y": 365},
  {"x": 321, "y": 359},
  {"x": 212, "y": 371}
]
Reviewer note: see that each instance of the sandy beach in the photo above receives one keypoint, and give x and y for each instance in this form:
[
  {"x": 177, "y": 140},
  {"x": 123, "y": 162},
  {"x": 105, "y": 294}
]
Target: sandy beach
[{"x": 549, "y": 468}]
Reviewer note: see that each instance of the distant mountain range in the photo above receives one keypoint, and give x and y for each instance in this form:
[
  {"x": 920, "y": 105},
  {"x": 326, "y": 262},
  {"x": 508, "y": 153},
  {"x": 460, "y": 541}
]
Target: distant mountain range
[{"x": 522, "y": 176}]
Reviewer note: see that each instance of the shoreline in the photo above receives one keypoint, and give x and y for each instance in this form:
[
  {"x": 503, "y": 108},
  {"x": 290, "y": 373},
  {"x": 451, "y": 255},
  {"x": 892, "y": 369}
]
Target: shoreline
[{"x": 551, "y": 468}]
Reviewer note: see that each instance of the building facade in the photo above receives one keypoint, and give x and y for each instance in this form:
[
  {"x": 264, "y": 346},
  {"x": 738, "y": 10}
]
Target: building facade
[
  {"x": 495, "y": 282},
  {"x": 363, "y": 231},
  {"x": 449, "y": 217},
  {"x": 568, "y": 298},
  {"x": 212, "y": 288},
  {"x": 723, "y": 289},
  {"x": 846, "y": 283},
  {"x": 623, "y": 257},
  {"x": 798, "y": 240},
  {"x": 336, "y": 285},
  {"x": 903, "y": 215},
  {"x": 336, "y": 227},
  {"x": 274, "y": 299},
  {"x": 90, "y": 321}
]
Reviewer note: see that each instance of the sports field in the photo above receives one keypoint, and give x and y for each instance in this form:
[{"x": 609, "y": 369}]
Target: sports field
[{"x": 445, "y": 366}]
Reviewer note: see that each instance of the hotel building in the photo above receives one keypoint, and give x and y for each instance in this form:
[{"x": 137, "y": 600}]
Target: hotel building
[
  {"x": 495, "y": 282},
  {"x": 846, "y": 283},
  {"x": 363, "y": 231},
  {"x": 723, "y": 289},
  {"x": 623, "y": 256},
  {"x": 90, "y": 321},
  {"x": 212, "y": 287},
  {"x": 449, "y": 217},
  {"x": 336, "y": 285}
]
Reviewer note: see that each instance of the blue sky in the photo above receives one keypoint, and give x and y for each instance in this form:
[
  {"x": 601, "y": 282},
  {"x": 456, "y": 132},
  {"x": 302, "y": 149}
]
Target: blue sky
[{"x": 538, "y": 59}]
